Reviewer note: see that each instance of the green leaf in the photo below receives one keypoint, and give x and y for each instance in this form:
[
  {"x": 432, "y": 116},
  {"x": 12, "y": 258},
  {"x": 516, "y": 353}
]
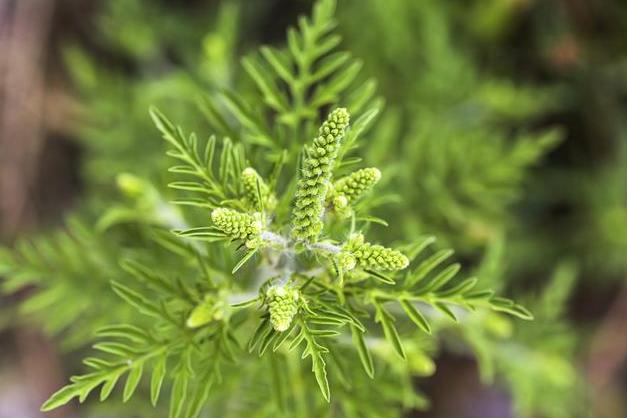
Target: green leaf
[
  {"x": 200, "y": 396},
  {"x": 126, "y": 331},
  {"x": 498, "y": 301},
  {"x": 297, "y": 340},
  {"x": 132, "y": 380},
  {"x": 359, "y": 127},
  {"x": 191, "y": 186},
  {"x": 272, "y": 95},
  {"x": 364, "y": 355},
  {"x": 426, "y": 267},
  {"x": 318, "y": 365},
  {"x": 156, "y": 381},
  {"x": 414, "y": 249},
  {"x": 479, "y": 295},
  {"x": 278, "y": 342},
  {"x": 109, "y": 385},
  {"x": 440, "y": 279},
  {"x": 137, "y": 300},
  {"x": 179, "y": 394},
  {"x": 163, "y": 124},
  {"x": 61, "y": 397},
  {"x": 462, "y": 288},
  {"x": 414, "y": 314},
  {"x": 115, "y": 348},
  {"x": 201, "y": 232},
  {"x": 279, "y": 379},
  {"x": 320, "y": 371},
  {"x": 146, "y": 275},
  {"x": 323, "y": 12},
  {"x": 268, "y": 339},
  {"x": 373, "y": 219},
  {"x": 380, "y": 277},
  {"x": 443, "y": 307},
  {"x": 263, "y": 328},
  {"x": 244, "y": 259},
  {"x": 278, "y": 63},
  {"x": 328, "y": 92},
  {"x": 245, "y": 303},
  {"x": 514, "y": 309},
  {"x": 329, "y": 64},
  {"x": 98, "y": 363},
  {"x": 362, "y": 96},
  {"x": 389, "y": 330}
]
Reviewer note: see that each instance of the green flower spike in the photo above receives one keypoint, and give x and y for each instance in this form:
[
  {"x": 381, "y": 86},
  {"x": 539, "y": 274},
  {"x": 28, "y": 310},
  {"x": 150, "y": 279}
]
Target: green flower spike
[
  {"x": 250, "y": 177},
  {"x": 282, "y": 305},
  {"x": 357, "y": 184},
  {"x": 376, "y": 257},
  {"x": 238, "y": 225},
  {"x": 313, "y": 185}
]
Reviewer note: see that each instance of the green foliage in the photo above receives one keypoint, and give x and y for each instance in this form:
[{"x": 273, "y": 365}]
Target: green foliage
[
  {"x": 114, "y": 96},
  {"x": 296, "y": 85},
  {"x": 546, "y": 380},
  {"x": 306, "y": 280},
  {"x": 58, "y": 266},
  {"x": 461, "y": 143},
  {"x": 247, "y": 287}
]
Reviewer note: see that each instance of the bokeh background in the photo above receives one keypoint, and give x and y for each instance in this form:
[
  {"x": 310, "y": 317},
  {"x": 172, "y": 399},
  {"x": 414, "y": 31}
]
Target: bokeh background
[{"x": 509, "y": 119}]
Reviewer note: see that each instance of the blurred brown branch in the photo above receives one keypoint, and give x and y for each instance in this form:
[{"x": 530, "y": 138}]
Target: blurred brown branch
[
  {"x": 24, "y": 35},
  {"x": 26, "y": 26}
]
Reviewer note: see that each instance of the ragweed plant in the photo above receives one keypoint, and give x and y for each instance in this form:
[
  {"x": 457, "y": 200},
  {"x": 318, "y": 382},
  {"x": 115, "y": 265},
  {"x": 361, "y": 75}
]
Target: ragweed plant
[
  {"x": 306, "y": 290},
  {"x": 260, "y": 283}
]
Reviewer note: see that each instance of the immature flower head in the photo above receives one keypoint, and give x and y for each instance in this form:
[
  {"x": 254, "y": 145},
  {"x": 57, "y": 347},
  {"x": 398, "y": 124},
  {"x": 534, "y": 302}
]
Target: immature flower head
[
  {"x": 131, "y": 185},
  {"x": 341, "y": 206},
  {"x": 210, "y": 309},
  {"x": 282, "y": 305},
  {"x": 376, "y": 257},
  {"x": 250, "y": 179},
  {"x": 316, "y": 174},
  {"x": 357, "y": 184},
  {"x": 238, "y": 225},
  {"x": 346, "y": 261}
]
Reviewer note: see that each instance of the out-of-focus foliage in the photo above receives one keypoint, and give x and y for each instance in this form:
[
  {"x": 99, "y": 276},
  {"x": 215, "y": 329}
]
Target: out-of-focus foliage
[
  {"x": 169, "y": 59},
  {"x": 535, "y": 362},
  {"x": 57, "y": 265},
  {"x": 462, "y": 142},
  {"x": 468, "y": 143},
  {"x": 312, "y": 273},
  {"x": 466, "y": 137}
]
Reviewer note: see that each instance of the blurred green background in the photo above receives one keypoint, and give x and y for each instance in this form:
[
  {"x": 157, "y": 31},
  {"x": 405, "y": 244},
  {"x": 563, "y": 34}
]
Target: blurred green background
[{"x": 504, "y": 130}]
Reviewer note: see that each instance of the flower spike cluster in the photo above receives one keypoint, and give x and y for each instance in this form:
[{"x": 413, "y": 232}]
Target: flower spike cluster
[
  {"x": 282, "y": 306},
  {"x": 357, "y": 184},
  {"x": 351, "y": 188},
  {"x": 238, "y": 225},
  {"x": 314, "y": 182},
  {"x": 250, "y": 179},
  {"x": 311, "y": 284},
  {"x": 376, "y": 257}
]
